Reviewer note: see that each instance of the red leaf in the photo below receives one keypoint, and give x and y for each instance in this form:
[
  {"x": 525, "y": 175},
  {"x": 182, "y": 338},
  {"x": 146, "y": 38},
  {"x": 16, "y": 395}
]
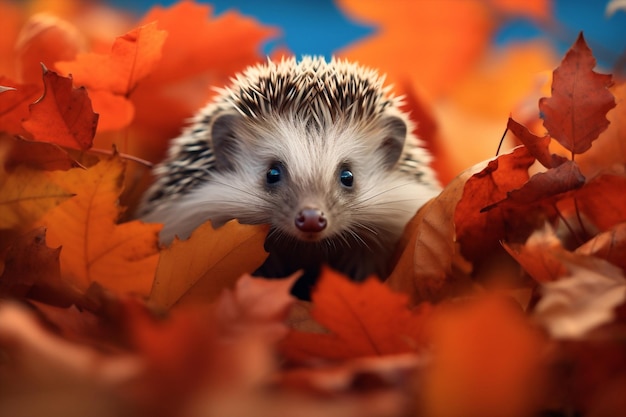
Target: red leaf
[
  {"x": 14, "y": 102},
  {"x": 365, "y": 319},
  {"x": 576, "y": 113},
  {"x": 537, "y": 146},
  {"x": 63, "y": 115}
]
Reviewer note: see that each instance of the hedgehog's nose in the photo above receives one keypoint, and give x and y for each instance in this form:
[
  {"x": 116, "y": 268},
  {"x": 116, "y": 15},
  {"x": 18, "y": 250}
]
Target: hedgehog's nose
[{"x": 311, "y": 220}]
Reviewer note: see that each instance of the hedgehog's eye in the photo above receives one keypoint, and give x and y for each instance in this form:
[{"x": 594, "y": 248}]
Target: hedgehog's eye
[
  {"x": 274, "y": 173},
  {"x": 346, "y": 177}
]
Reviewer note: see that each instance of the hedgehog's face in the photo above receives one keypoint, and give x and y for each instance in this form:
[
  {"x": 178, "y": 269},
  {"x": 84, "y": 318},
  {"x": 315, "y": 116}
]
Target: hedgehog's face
[{"x": 316, "y": 185}]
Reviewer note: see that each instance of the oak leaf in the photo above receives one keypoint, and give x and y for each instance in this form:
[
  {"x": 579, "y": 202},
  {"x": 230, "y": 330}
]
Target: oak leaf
[
  {"x": 575, "y": 114},
  {"x": 63, "y": 115},
  {"x": 121, "y": 257},
  {"x": 364, "y": 319},
  {"x": 200, "y": 268}
]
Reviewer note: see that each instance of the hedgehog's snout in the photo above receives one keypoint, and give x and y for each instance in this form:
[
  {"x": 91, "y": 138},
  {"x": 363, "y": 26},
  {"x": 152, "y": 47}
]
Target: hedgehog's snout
[{"x": 310, "y": 220}]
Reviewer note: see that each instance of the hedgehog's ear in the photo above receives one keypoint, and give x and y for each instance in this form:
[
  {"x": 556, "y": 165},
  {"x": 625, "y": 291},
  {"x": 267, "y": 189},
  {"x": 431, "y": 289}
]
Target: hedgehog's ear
[
  {"x": 393, "y": 143},
  {"x": 225, "y": 141}
]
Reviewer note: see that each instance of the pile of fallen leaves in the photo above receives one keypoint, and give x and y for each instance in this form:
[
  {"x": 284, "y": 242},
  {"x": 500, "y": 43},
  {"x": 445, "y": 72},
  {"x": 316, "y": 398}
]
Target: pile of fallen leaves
[{"x": 508, "y": 295}]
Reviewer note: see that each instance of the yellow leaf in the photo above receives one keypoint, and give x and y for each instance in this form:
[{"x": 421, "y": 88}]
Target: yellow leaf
[
  {"x": 198, "y": 269},
  {"x": 26, "y": 195},
  {"x": 121, "y": 257}
]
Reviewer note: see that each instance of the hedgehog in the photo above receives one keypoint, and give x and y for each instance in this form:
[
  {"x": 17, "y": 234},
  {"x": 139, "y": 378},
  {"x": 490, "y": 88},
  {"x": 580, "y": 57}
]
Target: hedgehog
[{"x": 320, "y": 151}]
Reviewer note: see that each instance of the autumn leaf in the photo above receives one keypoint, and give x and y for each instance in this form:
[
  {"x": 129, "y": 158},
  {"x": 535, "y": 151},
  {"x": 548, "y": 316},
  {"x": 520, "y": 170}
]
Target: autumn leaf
[
  {"x": 133, "y": 56},
  {"x": 45, "y": 39},
  {"x": 14, "y": 103},
  {"x": 576, "y": 113},
  {"x": 477, "y": 231},
  {"x": 121, "y": 257},
  {"x": 37, "y": 155},
  {"x": 26, "y": 195},
  {"x": 364, "y": 319},
  {"x": 63, "y": 115},
  {"x": 537, "y": 146},
  {"x": 200, "y": 268},
  {"x": 571, "y": 307},
  {"x": 425, "y": 267},
  {"x": 487, "y": 361},
  {"x": 26, "y": 261},
  {"x": 609, "y": 245}
]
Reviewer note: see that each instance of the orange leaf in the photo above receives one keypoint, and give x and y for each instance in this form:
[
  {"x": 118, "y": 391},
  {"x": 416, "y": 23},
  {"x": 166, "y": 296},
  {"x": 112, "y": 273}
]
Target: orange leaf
[
  {"x": 63, "y": 115},
  {"x": 133, "y": 56},
  {"x": 610, "y": 245},
  {"x": 486, "y": 361},
  {"x": 537, "y": 146},
  {"x": 364, "y": 319},
  {"x": 26, "y": 195},
  {"x": 410, "y": 31},
  {"x": 200, "y": 268},
  {"x": 122, "y": 257},
  {"x": 45, "y": 39},
  {"x": 576, "y": 113}
]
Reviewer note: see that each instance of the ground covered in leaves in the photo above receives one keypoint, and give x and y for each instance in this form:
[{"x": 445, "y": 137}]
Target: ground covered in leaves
[{"x": 507, "y": 296}]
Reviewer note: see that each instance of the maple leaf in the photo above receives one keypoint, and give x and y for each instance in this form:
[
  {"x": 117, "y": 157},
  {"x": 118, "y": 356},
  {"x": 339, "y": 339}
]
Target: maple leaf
[
  {"x": 121, "y": 257},
  {"x": 26, "y": 195},
  {"x": 201, "y": 267},
  {"x": 133, "y": 56},
  {"x": 63, "y": 115},
  {"x": 575, "y": 114},
  {"x": 364, "y": 319}
]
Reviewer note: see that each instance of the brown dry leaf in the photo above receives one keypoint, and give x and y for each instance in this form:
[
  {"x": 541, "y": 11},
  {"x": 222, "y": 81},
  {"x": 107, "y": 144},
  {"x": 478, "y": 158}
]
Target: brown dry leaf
[
  {"x": 571, "y": 307},
  {"x": 603, "y": 212},
  {"x": 486, "y": 361},
  {"x": 200, "y": 268},
  {"x": 63, "y": 115},
  {"x": 479, "y": 232},
  {"x": 26, "y": 195},
  {"x": 36, "y": 155},
  {"x": 539, "y": 256},
  {"x": 610, "y": 245},
  {"x": 364, "y": 319},
  {"x": 121, "y": 257},
  {"x": 537, "y": 146},
  {"x": 428, "y": 259}
]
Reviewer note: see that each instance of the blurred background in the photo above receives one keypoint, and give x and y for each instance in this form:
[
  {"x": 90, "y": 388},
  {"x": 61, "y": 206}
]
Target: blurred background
[{"x": 464, "y": 66}]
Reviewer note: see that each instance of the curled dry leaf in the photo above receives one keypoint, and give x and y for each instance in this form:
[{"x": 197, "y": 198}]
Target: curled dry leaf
[
  {"x": 610, "y": 245},
  {"x": 537, "y": 146},
  {"x": 571, "y": 307},
  {"x": 430, "y": 258},
  {"x": 575, "y": 114},
  {"x": 121, "y": 257},
  {"x": 200, "y": 268},
  {"x": 364, "y": 319},
  {"x": 63, "y": 115}
]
